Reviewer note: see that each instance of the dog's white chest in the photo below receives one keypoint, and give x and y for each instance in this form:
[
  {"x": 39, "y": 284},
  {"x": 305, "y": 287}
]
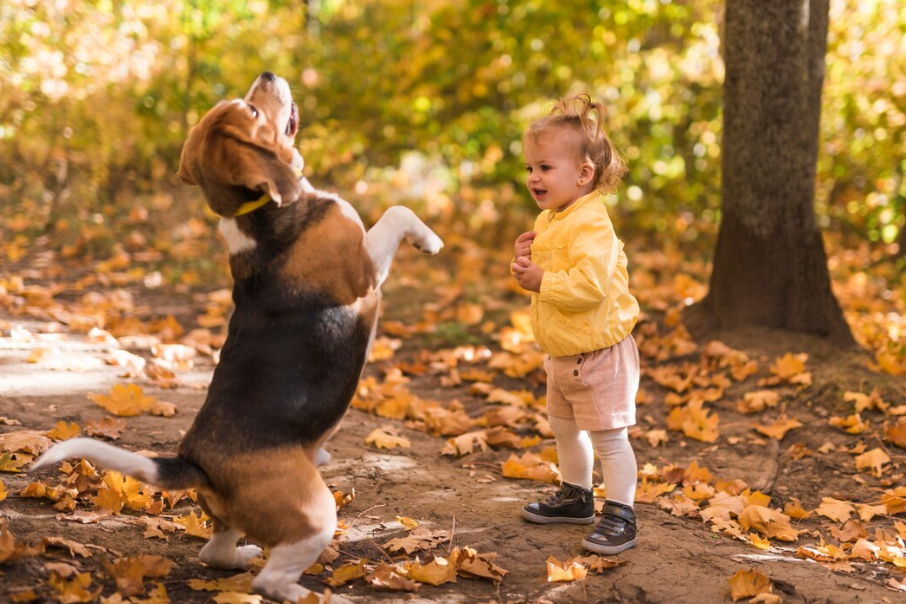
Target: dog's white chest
[{"x": 236, "y": 240}]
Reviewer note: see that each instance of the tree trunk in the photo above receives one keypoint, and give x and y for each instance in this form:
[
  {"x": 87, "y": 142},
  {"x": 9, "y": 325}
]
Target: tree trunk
[{"x": 770, "y": 267}]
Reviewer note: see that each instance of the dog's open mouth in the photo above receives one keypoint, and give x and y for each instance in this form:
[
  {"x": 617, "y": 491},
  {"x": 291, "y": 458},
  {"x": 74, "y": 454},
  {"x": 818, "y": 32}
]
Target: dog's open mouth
[{"x": 292, "y": 126}]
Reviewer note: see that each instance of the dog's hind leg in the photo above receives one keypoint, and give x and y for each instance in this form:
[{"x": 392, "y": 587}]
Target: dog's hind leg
[
  {"x": 383, "y": 239},
  {"x": 221, "y": 551},
  {"x": 287, "y": 562}
]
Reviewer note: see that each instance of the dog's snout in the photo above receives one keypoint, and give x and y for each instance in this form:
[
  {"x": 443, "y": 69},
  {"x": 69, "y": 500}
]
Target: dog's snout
[{"x": 268, "y": 76}]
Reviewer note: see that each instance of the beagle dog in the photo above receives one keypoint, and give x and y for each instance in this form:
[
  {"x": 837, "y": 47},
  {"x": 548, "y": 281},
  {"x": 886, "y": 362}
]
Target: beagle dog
[{"x": 307, "y": 280}]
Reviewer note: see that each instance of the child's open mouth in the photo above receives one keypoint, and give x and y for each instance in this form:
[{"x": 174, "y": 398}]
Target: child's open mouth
[{"x": 539, "y": 192}]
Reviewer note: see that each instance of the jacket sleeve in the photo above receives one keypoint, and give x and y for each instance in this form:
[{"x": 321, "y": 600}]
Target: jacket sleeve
[{"x": 593, "y": 254}]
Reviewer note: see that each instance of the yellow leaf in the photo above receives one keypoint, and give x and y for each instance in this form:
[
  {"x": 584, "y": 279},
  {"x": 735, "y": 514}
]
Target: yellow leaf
[
  {"x": 656, "y": 437},
  {"x": 759, "y": 542},
  {"x": 436, "y": 572},
  {"x": 126, "y": 400},
  {"x": 25, "y": 441},
  {"x": 408, "y": 523},
  {"x": 867, "y": 401},
  {"x": 390, "y": 578},
  {"x": 873, "y": 460},
  {"x": 789, "y": 365},
  {"x": 470, "y": 563},
  {"x": 64, "y": 431},
  {"x": 469, "y": 313},
  {"x": 383, "y": 440},
  {"x": 466, "y": 443},
  {"x": 794, "y": 509},
  {"x": 896, "y": 433},
  {"x": 130, "y": 572},
  {"x": 748, "y": 583},
  {"x": 852, "y": 424},
  {"x": 238, "y": 583},
  {"x": 232, "y": 597},
  {"x": 753, "y": 402},
  {"x": 564, "y": 571},
  {"x": 530, "y": 466},
  {"x": 346, "y": 573},
  {"x": 768, "y": 522},
  {"x": 779, "y": 428},
  {"x": 343, "y": 499},
  {"x": 647, "y": 492},
  {"x": 194, "y": 526},
  {"x": 74, "y": 591},
  {"x": 834, "y": 509},
  {"x": 383, "y": 349}
]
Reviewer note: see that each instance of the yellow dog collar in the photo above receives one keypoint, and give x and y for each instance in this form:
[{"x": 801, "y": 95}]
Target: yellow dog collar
[{"x": 250, "y": 206}]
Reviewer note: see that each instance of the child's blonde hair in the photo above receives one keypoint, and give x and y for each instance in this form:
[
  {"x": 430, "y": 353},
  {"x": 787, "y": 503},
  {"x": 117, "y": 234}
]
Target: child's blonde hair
[{"x": 574, "y": 114}]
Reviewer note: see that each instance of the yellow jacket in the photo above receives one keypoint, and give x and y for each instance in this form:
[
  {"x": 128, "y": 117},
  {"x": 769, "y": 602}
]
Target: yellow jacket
[{"x": 584, "y": 303}]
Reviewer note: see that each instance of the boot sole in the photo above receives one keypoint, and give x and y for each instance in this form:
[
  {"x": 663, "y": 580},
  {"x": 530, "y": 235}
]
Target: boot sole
[
  {"x": 539, "y": 519},
  {"x": 607, "y": 550}
]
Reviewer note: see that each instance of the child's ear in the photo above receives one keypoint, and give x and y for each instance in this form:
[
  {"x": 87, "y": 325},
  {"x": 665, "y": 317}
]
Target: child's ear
[{"x": 586, "y": 173}]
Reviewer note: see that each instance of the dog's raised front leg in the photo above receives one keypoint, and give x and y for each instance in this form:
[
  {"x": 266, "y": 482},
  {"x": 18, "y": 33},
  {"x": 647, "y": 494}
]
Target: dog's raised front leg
[{"x": 383, "y": 239}]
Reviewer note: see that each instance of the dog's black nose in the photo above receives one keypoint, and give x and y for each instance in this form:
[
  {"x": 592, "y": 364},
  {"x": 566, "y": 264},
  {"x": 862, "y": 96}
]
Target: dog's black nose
[{"x": 268, "y": 76}]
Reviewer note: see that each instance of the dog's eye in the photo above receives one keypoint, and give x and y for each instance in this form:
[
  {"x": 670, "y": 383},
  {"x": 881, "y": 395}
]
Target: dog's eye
[{"x": 254, "y": 110}]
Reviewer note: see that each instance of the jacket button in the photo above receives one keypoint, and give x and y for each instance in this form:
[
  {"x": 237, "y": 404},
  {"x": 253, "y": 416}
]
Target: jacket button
[{"x": 576, "y": 373}]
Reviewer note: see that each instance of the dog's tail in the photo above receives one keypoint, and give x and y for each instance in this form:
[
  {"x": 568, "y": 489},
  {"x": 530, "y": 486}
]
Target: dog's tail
[{"x": 166, "y": 472}]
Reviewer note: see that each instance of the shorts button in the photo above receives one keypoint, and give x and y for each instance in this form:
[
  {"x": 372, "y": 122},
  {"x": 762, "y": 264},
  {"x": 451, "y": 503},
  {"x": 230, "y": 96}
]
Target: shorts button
[
  {"x": 576, "y": 373},
  {"x": 579, "y": 362}
]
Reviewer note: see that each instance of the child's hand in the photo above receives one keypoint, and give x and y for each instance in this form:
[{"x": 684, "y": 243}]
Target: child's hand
[
  {"x": 528, "y": 274},
  {"x": 523, "y": 247}
]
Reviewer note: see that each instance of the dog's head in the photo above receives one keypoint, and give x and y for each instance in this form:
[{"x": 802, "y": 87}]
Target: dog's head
[{"x": 244, "y": 148}]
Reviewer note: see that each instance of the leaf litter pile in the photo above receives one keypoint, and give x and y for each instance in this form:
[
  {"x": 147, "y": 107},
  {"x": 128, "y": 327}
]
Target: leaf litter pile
[{"x": 785, "y": 456}]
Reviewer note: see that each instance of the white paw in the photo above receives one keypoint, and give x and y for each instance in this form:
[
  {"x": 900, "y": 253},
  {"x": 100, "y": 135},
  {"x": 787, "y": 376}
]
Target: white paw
[
  {"x": 236, "y": 558},
  {"x": 322, "y": 458},
  {"x": 246, "y": 554},
  {"x": 429, "y": 244},
  {"x": 292, "y": 591}
]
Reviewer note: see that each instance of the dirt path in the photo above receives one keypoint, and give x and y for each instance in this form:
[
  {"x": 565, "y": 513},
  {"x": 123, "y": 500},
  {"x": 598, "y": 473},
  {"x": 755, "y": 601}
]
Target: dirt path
[{"x": 678, "y": 560}]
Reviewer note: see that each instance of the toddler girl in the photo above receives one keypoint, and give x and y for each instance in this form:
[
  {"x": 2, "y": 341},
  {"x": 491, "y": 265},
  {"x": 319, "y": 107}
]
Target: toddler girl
[{"x": 582, "y": 316}]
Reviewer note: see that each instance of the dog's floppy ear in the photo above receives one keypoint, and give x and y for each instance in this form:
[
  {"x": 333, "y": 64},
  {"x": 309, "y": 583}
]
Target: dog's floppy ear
[
  {"x": 232, "y": 166},
  {"x": 259, "y": 166}
]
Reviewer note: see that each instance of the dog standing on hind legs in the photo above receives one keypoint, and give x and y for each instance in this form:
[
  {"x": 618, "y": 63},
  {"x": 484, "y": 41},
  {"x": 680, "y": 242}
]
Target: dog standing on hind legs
[{"x": 306, "y": 290}]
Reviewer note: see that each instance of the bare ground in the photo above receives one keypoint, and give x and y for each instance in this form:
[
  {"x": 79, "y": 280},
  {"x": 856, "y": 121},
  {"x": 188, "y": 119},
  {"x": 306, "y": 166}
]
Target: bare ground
[{"x": 678, "y": 560}]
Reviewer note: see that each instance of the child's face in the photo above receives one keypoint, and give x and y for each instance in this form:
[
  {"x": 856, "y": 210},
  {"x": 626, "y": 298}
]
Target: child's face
[{"x": 555, "y": 176}]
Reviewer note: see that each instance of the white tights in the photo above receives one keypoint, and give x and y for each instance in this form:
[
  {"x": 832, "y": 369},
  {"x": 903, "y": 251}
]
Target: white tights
[{"x": 576, "y": 449}]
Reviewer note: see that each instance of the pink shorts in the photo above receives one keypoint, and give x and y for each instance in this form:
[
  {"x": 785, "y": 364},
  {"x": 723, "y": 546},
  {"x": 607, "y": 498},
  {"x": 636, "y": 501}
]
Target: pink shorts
[{"x": 596, "y": 388}]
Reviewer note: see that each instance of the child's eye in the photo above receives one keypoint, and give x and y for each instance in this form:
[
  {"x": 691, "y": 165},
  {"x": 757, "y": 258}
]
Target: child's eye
[
  {"x": 545, "y": 168},
  {"x": 528, "y": 169}
]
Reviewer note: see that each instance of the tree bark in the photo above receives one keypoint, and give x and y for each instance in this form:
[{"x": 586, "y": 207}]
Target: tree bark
[{"x": 770, "y": 266}]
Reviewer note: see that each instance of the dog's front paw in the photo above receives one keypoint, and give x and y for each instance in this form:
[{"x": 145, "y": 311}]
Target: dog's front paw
[
  {"x": 322, "y": 458},
  {"x": 246, "y": 554},
  {"x": 428, "y": 244}
]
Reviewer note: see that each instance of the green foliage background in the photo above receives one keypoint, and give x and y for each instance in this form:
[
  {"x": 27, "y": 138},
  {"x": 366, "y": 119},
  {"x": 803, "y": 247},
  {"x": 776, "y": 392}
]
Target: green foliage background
[{"x": 420, "y": 100}]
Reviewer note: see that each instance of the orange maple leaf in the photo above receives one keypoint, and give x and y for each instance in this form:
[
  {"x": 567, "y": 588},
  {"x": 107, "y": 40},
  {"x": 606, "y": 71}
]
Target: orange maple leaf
[{"x": 748, "y": 583}]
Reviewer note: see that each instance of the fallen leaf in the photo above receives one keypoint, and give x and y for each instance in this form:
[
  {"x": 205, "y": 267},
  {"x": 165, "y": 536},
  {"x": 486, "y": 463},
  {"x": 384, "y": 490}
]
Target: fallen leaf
[
  {"x": 64, "y": 431},
  {"x": 383, "y": 440},
  {"x": 436, "y": 572},
  {"x": 835, "y": 509},
  {"x": 748, "y": 583},
  {"x": 564, "y": 571},
  {"x": 347, "y": 572},
  {"x": 390, "y": 578},
  {"x": 873, "y": 460}
]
